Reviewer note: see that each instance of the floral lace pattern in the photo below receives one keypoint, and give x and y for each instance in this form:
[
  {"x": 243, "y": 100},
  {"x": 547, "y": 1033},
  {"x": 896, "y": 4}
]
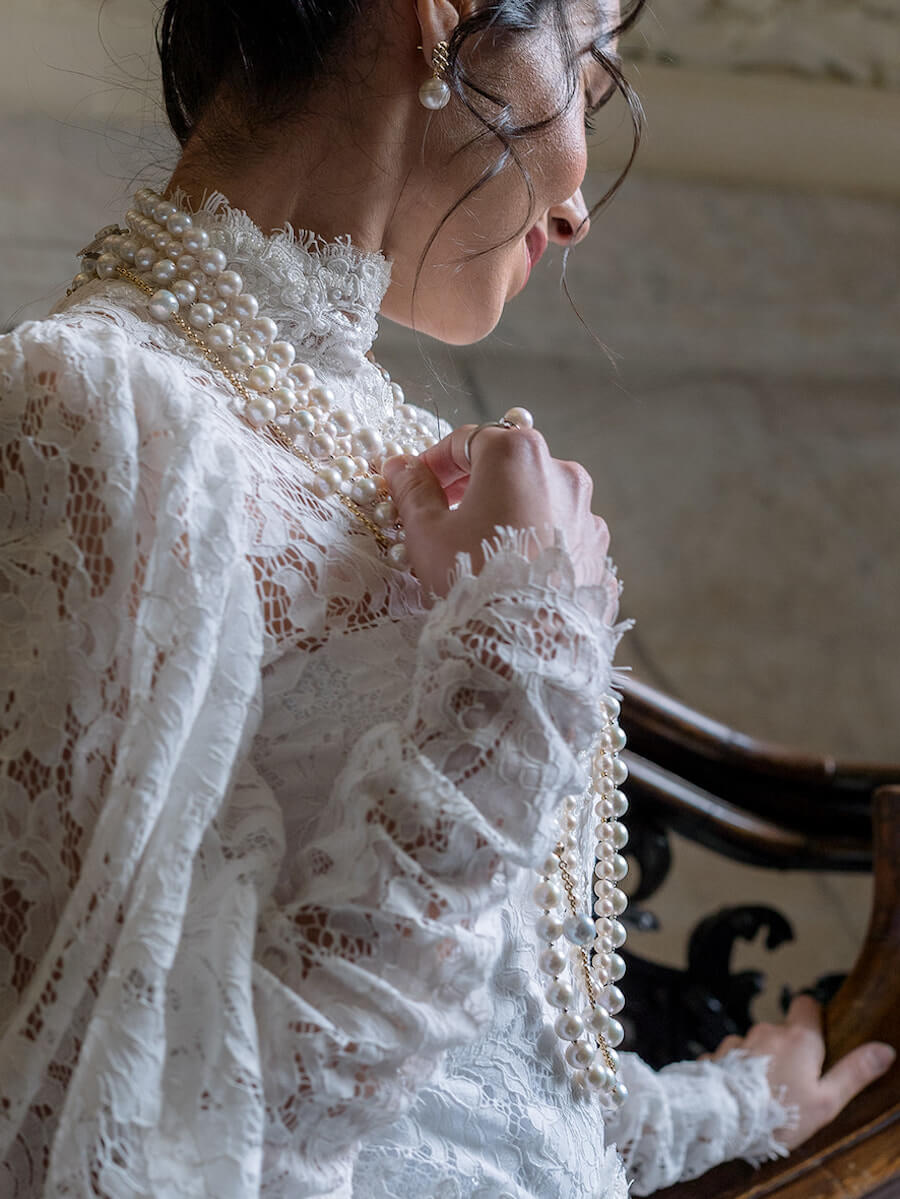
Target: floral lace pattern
[{"x": 265, "y": 818}]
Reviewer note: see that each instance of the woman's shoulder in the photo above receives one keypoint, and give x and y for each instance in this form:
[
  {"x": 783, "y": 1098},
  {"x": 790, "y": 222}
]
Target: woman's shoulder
[{"x": 96, "y": 364}]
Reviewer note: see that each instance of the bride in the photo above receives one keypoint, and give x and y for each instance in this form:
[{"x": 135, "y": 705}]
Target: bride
[{"x": 311, "y": 788}]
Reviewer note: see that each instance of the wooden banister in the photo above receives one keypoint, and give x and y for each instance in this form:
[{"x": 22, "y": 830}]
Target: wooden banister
[{"x": 857, "y": 1156}]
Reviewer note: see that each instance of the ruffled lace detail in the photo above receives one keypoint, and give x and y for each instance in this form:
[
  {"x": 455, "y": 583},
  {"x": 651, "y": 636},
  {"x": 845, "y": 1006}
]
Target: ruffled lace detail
[
  {"x": 324, "y": 296},
  {"x": 691, "y": 1116}
]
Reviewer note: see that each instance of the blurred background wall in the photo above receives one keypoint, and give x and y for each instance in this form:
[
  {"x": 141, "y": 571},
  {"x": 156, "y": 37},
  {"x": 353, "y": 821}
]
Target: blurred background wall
[{"x": 743, "y": 429}]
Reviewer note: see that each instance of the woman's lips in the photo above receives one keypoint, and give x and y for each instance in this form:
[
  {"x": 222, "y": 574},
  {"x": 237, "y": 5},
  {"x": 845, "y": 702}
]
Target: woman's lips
[{"x": 535, "y": 245}]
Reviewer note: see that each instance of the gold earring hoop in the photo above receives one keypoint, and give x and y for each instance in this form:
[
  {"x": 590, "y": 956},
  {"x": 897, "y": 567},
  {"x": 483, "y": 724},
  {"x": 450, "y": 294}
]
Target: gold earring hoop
[{"x": 435, "y": 92}]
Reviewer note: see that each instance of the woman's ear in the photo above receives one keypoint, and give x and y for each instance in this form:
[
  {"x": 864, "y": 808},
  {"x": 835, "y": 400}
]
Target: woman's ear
[{"x": 437, "y": 21}]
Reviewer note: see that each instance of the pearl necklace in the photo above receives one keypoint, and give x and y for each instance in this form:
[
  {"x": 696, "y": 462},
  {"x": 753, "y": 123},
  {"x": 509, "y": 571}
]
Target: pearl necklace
[
  {"x": 593, "y": 963},
  {"x": 190, "y": 285}
]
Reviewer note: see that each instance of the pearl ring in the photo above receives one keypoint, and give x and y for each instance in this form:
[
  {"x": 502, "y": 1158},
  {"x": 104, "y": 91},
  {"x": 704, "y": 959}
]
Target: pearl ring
[{"x": 515, "y": 418}]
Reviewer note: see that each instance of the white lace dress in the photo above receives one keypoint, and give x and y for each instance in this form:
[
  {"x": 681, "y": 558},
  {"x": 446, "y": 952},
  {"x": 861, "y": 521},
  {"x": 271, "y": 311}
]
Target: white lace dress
[{"x": 266, "y": 820}]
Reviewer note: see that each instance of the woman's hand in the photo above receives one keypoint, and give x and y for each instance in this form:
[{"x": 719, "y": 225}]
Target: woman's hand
[
  {"x": 797, "y": 1050},
  {"x": 512, "y": 481}
]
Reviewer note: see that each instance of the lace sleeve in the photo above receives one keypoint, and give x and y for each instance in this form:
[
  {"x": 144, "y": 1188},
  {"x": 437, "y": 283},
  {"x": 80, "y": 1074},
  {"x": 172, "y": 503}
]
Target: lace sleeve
[
  {"x": 681, "y": 1121},
  {"x": 384, "y": 939}
]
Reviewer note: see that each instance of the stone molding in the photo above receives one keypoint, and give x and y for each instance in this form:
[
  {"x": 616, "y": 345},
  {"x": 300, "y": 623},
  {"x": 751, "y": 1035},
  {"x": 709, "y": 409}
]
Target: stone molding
[{"x": 857, "y": 41}]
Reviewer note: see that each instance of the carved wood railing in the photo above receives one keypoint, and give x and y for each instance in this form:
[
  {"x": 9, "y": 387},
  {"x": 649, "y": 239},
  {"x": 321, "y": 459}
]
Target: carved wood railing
[{"x": 765, "y": 805}]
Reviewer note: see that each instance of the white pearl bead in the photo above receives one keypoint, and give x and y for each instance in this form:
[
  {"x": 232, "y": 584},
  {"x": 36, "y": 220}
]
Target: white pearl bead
[
  {"x": 198, "y": 278},
  {"x": 604, "y": 887},
  {"x": 615, "y": 1033},
  {"x": 284, "y": 400},
  {"x": 195, "y": 241},
  {"x": 323, "y": 396},
  {"x": 107, "y": 266},
  {"x": 200, "y": 316},
  {"x": 620, "y": 772},
  {"x": 327, "y": 481},
  {"x": 519, "y": 416},
  {"x": 398, "y": 556},
  {"x": 163, "y": 305},
  {"x": 616, "y": 967},
  {"x": 145, "y": 198},
  {"x": 619, "y": 867},
  {"x": 344, "y": 420},
  {"x": 262, "y": 378},
  {"x": 240, "y": 357},
  {"x": 613, "y": 1057},
  {"x": 548, "y": 927},
  {"x": 179, "y": 223},
  {"x": 604, "y": 907},
  {"x": 185, "y": 291},
  {"x": 263, "y": 329},
  {"x": 164, "y": 271},
  {"x": 303, "y": 374},
  {"x": 301, "y": 422},
  {"x": 220, "y": 337},
  {"x": 619, "y": 1094},
  {"x": 212, "y": 261},
  {"x": 385, "y": 513},
  {"x": 206, "y": 294},
  {"x": 434, "y": 94},
  {"x": 162, "y": 210},
  {"x": 220, "y": 307},
  {"x": 619, "y": 901},
  {"x": 161, "y": 241},
  {"x": 580, "y": 1054},
  {"x": 611, "y": 706},
  {"x": 605, "y": 762},
  {"x": 619, "y": 802},
  {"x": 397, "y": 393},
  {"x": 245, "y": 306},
  {"x": 569, "y": 1026},
  {"x": 599, "y": 1076},
  {"x": 81, "y": 278},
  {"x": 550, "y": 864},
  {"x": 261, "y": 409},
  {"x": 579, "y": 929},
  {"x": 547, "y": 895},
  {"x": 321, "y": 446},
  {"x": 559, "y": 993},
  {"x": 597, "y": 1020},
  {"x": 617, "y": 934},
  {"x": 613, "y": 999},
  {"x": 368, "y": 442},
  {"x": 363, "y": 491},
  {"x": 615, "y": 833},
  {"x": 282, "y": 353},
  {"x": 346, "y": 466},
  {"x": 229, "y": 284},
  {"x": 128, "y": 249},
  {"x": 551, "y": 961}
]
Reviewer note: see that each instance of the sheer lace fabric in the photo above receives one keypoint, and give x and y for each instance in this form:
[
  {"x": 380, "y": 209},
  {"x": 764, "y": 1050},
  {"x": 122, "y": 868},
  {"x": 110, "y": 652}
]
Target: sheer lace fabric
[{"x": 265, "y": 817}]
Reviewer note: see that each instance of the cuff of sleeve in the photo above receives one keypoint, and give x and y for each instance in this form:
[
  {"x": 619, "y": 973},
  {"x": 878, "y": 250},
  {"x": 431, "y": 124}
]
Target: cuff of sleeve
[{"x": 766, "y": 1111}]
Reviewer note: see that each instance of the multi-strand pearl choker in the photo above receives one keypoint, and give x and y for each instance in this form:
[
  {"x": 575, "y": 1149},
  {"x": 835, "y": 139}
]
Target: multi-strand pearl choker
[{"x": 190, "y": 284}]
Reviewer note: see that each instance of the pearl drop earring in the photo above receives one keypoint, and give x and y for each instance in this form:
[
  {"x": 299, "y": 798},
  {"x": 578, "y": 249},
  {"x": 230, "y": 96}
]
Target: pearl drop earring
[{"x": 435, "y": 92}]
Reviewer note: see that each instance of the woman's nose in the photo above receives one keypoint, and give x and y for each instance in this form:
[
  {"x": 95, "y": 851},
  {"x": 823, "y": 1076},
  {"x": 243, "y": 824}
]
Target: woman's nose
[{"x": 568, "y": 223}]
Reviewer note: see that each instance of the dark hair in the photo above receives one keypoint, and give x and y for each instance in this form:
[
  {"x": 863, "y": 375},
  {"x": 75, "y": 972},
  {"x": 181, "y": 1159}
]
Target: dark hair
[{"x": 270, "y": 54}]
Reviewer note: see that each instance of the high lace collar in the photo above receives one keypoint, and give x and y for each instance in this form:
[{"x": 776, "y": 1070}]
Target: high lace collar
[{"x": 324, "y": 296}]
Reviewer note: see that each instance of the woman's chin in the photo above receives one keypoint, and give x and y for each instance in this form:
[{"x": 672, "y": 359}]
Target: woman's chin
[{"x": 457, "y": 329}]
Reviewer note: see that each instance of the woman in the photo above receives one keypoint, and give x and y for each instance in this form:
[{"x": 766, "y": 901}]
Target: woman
[{"x": 276, "y": 781}]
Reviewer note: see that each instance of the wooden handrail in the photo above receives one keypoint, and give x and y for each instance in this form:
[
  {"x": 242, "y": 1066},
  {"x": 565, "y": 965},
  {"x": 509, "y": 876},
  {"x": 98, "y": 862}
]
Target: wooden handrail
[
  {"x": 858, "y": 1155},
  {"x": 814, "y": 794}
]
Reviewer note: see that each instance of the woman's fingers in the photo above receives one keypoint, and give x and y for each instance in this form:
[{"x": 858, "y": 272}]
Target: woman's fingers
[
  {"x": 415, "y": 489},
  {"x": 805, "y": 1012},
  {"x": 853, "y": 1073}
]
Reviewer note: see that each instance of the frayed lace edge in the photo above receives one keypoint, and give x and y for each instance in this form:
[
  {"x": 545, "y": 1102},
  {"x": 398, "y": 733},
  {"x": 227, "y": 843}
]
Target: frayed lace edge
[
  {"x": 235, "y": 220},
  {"x": 775, "y": 1115}
]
